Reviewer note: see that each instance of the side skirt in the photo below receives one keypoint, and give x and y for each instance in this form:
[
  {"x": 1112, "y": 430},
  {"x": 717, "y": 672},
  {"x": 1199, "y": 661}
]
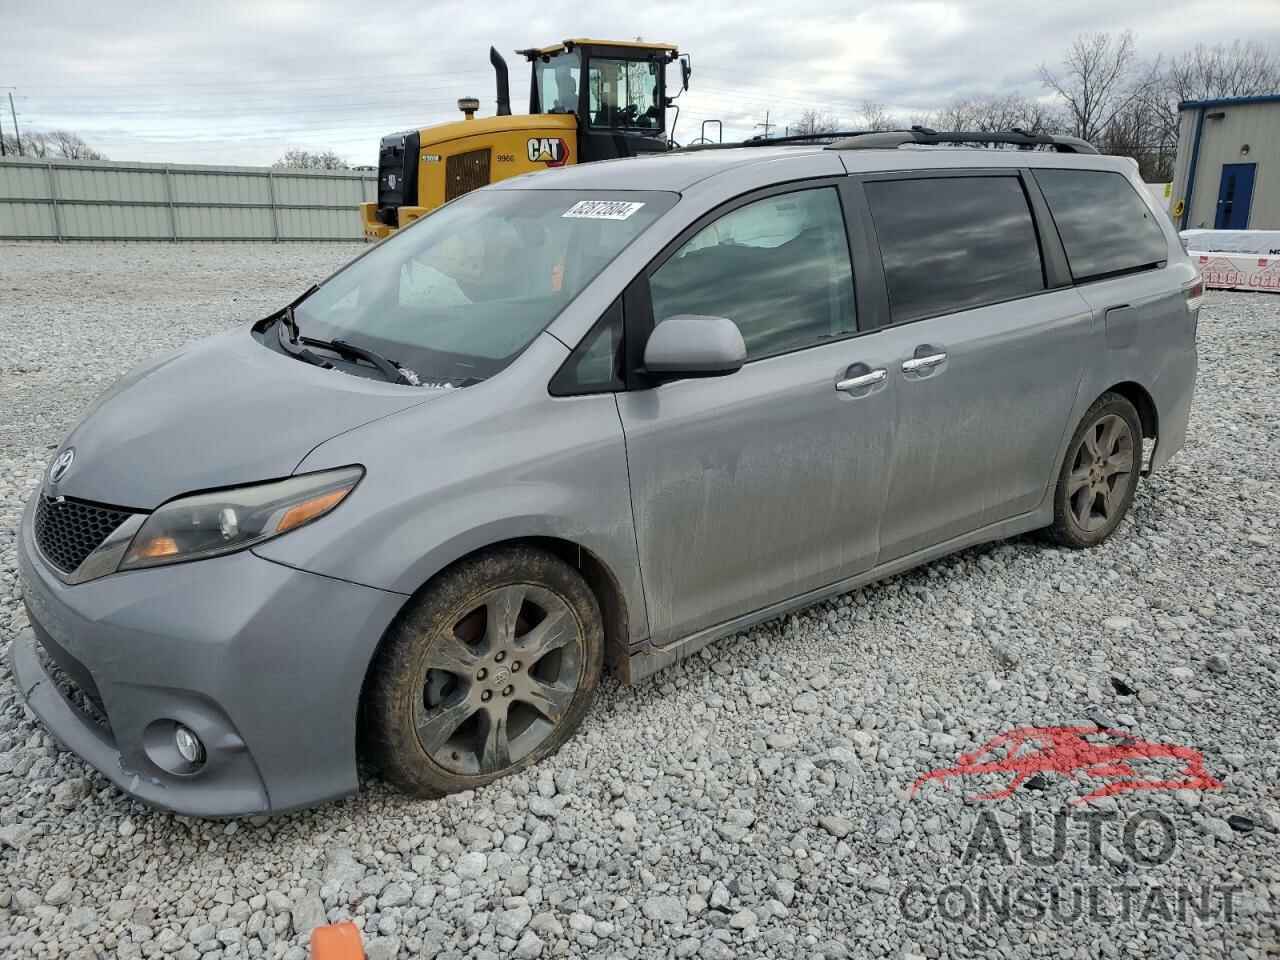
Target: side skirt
[{"x": 649, "y": 658}]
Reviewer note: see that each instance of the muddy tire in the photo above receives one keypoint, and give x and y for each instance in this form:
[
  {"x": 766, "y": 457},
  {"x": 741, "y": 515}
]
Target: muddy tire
[
  {"x": 491, "y": 668},
  {"x": 1099, "y": 474}
]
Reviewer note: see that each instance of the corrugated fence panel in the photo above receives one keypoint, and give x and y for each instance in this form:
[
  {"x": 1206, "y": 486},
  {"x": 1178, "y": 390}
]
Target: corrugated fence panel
[
  {"x": 298, "y": 224},
  {"x": 220, "y": 188},
  {"x": 103, "y": 221},
  {"x": 98, "y": 199},
  {"x": 222, "y": 223},
  {"x": 311, "y": 190},
  {"x": 27, "y": 221},
  {"x": 30, "y": 181}
]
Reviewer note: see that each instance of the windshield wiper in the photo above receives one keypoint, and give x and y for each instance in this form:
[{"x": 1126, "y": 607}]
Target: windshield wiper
[
  {"x": 288, "y": 346},
  {"x": 296, "y": 345},
  {"x": 391, "y": 371},
  {"x": 287, "y": 313}
]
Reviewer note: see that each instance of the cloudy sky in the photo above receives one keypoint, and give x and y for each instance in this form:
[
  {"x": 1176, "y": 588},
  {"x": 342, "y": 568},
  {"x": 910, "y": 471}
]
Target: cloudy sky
[{"x": 240, "y": 81}]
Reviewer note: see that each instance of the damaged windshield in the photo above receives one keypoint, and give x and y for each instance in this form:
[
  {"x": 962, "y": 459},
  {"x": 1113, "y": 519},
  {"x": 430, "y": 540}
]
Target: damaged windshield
[{"x": 457, "y": 296}]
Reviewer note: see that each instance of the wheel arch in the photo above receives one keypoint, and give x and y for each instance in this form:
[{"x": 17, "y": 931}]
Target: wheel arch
[
  {"x": 1148, "y": 415},
  {"x": 1142, "y": 401},
  {"x": 601, "y": 580}
]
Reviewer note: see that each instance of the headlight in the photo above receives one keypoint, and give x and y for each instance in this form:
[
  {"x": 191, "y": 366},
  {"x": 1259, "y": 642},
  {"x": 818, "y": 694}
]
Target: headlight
[{"x": 209, "y": 524}]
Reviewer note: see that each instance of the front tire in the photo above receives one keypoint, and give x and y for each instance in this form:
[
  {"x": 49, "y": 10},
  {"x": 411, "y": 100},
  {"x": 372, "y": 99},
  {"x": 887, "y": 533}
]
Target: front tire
[
  {"x": 1099, "y": 475},
  {"x": 488, "y": 671}
]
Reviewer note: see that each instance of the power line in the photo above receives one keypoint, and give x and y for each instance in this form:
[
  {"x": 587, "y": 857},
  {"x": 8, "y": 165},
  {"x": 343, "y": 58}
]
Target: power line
[{"x": 17, "y": 137}]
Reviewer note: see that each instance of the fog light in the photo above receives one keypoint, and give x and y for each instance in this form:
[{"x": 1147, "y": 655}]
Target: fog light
[{"x": 189, "y": 745}]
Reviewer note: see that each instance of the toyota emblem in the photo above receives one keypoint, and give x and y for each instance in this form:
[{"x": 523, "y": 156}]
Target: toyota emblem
[{"x": 62, "y": 465}]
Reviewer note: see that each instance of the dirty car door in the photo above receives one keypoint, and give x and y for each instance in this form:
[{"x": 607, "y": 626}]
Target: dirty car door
[
  {"x": 754, "y": 487},
  {"x": 985, "y": 358}
]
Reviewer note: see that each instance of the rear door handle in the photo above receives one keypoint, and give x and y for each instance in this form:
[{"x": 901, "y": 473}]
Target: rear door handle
[
  {"x": 922, "y": 363},
  {"x": 849, "y": 384}
]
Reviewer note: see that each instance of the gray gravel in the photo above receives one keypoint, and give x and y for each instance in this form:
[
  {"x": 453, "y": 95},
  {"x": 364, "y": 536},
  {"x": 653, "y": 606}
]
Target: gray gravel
[{"x": 750, "y": 802}]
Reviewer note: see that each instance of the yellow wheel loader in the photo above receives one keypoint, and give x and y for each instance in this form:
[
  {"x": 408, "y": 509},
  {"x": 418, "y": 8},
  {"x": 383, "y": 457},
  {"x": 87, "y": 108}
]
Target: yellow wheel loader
[{"x": 588, "y": 100}]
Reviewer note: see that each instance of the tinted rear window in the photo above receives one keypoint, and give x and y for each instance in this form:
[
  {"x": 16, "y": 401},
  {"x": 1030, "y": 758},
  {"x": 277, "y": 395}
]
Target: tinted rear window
[
  {"x": 954, "y": 243},
  {"x": 1105, "y": 227}
]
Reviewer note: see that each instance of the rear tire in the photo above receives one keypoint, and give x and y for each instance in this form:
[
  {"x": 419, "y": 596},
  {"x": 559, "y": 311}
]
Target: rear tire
[
  {"x": 1099, "y": 474},
  {"x": 489, "y": 670}
]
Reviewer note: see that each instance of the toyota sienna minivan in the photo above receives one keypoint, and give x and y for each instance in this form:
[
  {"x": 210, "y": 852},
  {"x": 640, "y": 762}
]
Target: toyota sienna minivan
[{"x": 602, "y": 415}]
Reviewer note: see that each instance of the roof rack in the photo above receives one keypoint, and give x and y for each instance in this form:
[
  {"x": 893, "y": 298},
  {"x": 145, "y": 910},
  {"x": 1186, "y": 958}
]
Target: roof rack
[
  {"x": 892, "y": 139},
  {"x": 759, "y": 141}
]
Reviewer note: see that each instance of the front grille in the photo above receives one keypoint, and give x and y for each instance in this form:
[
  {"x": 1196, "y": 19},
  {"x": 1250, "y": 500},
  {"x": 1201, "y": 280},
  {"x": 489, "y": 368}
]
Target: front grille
[
  {"x": 466, "y": 172},
  {"x": 67, "y": 531}
]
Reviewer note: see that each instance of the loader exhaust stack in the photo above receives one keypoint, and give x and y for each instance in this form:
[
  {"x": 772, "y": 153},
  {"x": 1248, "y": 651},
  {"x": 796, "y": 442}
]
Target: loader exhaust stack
[{"x": 504, "y": 87}]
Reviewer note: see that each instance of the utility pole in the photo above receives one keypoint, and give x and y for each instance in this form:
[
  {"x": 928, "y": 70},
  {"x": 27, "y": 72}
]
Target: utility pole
[
  {"x": 18, "y": 138},
  {"x": 767, "y": 125},
  {"x": 3, "y": 151}
]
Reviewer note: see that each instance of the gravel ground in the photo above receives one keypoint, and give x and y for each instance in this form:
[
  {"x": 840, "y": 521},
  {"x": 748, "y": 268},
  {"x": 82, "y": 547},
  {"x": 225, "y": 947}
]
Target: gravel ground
[{"x": 753, "y": 801}]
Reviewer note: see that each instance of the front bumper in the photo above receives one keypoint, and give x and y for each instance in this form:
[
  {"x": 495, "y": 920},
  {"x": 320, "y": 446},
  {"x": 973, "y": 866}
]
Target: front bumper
[{"x": 264, "y": 662}]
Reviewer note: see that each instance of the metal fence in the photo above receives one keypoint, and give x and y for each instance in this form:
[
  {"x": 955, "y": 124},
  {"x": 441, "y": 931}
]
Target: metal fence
[{"x": 102, "y": 200}]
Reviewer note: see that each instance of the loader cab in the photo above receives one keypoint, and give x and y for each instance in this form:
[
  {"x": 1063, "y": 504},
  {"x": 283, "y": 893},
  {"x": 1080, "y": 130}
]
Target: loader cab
[{"x": 617, "y": 92}]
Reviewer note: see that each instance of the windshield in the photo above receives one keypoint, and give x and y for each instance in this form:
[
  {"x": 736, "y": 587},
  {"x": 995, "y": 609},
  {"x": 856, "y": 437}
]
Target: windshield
[
  {"x": 557, "y": 83},
  {"x": 623, "y": 93},
  {"x": 459, "y": 294}
]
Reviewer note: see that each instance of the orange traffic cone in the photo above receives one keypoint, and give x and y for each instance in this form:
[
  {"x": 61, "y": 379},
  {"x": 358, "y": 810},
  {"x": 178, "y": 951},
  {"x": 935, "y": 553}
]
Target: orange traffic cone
[{"x": 337, "y": 941}]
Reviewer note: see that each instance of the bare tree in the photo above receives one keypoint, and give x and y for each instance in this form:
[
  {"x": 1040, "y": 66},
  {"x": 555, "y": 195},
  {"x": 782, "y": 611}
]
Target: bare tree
[
  {"x": 1205, "y": 73},
  {"x": 1136, "y": 132},
  {"x": 813, "y": 123},
  {"x": 1235, "y": 70},
  {"x": 47, "y": 144},
  {"x": 874, "y": 116},
  {"x": 34, "y": 144},
  {"x": 70, "y": 145},
  {"x": 1101, "y": 76},
  {"x": 297, "y": 159},
  {"x": 992, "y": 113}
]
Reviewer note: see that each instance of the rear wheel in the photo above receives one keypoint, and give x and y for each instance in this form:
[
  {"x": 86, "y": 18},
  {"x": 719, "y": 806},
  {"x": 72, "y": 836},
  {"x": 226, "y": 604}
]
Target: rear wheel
[
  {"x": 1099, "y": 475},
  {"x": 490, "y": 670}
]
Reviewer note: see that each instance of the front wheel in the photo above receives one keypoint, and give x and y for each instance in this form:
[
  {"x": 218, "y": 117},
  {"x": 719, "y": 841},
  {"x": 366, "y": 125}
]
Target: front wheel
[
  {"x": 1099, "y": 476},
  {"x": 487, "y": 672}
]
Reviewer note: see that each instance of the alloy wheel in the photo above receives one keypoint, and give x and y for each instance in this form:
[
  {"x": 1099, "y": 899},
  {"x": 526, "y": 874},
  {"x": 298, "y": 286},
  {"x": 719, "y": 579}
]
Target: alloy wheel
[
  {"x": 1099, "y": 478},
  {"x": 500, "y": 681}
]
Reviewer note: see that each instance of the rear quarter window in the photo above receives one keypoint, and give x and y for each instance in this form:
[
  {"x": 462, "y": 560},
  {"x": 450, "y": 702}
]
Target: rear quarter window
[
  {"x": 1106, "y": 228},
  {"x": 954, "y": 243}
]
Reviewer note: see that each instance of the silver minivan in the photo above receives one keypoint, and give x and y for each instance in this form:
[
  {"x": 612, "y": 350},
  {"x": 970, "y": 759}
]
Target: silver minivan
[{"x": 602, "y": 415}]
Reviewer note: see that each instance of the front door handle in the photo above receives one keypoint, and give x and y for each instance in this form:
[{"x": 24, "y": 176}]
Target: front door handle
[
  {"x": 849, "y": 384},
  {"x": 922, "y": 363}
]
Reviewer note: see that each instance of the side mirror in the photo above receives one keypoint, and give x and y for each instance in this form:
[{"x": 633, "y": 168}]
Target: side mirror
[
  {"x": 688, "y": 345},
  {"x": 686, "y": 70}
]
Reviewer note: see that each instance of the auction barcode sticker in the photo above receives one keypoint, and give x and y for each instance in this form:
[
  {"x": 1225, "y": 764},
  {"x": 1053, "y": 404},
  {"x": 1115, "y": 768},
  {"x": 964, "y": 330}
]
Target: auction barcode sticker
[{"x": 602, "y": 209}]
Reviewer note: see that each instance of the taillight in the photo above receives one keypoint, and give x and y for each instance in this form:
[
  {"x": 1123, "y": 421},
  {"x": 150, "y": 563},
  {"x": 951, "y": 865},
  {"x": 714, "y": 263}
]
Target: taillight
[{"x": 1195, "y": 296}]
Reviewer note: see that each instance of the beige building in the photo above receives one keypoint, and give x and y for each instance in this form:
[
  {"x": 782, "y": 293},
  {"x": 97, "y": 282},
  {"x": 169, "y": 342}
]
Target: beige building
[{"x": 1227, "y": 175}]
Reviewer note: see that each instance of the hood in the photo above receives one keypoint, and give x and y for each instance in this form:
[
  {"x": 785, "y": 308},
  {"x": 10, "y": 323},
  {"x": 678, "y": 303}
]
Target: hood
[{"x": 221, "y": 412}]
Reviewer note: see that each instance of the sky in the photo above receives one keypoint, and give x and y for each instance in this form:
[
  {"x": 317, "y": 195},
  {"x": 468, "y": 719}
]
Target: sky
[{"x": 241, "y": 81}]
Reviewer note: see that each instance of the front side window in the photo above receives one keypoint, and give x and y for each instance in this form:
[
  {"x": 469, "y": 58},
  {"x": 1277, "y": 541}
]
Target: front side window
[
  {"x": 778, "y": 268},
  {"x": 954, "y": 243},
  {"x": 623, "y": 93},
  {"x": 1105, "y": 227},
  {"x": 459, "y": 294},
  {"x": 557, "y": 80}
]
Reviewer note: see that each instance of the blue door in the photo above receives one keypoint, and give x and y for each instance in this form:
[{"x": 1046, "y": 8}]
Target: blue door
[{"x": 1234, "y": 195}]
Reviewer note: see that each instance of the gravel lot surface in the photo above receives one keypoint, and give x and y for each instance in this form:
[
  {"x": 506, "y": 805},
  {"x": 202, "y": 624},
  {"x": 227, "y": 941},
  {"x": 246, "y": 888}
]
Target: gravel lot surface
[{"x": 754, "y": 800}]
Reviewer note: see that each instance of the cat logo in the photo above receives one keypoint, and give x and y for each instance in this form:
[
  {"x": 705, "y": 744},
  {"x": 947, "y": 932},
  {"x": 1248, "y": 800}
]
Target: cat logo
[{"x": 552, "y": 151}]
